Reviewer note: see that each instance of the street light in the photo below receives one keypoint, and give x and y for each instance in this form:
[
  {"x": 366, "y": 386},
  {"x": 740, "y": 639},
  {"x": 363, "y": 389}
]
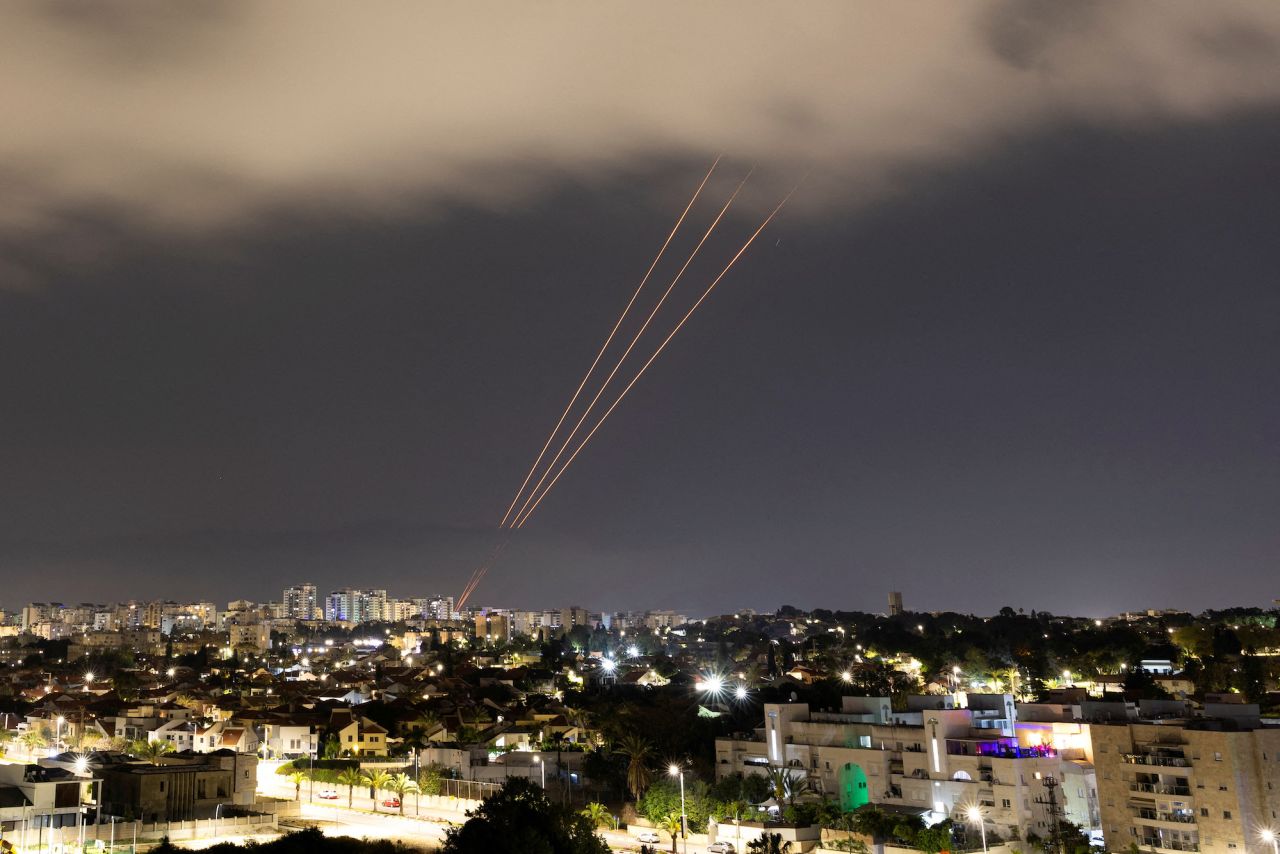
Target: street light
[
  {"x": 676, "y": 771},
  {"x": 542, "y": 771},
  {"x": 1270, "y": 837},
  {"x": 974, "y": 814},
  {"x": 57, "y": 739}
]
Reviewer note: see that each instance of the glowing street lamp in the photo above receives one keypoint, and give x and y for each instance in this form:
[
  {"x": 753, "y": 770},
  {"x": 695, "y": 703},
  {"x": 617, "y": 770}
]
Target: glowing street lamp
[
  {"x": 676, "y": 771},
  {"x": 974, "y": 815},
  {"x": 846, "y": 676},
  {"x": 1271, "y": 838},
  {"x": 542, "y": 770},
  {"x": 740, "y": 692},
  {"x": 609, "y": 665}
]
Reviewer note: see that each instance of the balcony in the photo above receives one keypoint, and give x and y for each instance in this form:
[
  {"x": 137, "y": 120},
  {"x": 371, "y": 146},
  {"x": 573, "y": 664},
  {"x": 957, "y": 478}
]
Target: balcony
[
  {"x": 1182, "y": 817},
  {"x": 1159, "y": 789},
  {"x": 1153, "y": 759},
  {"x": 1169, "y": 844}
]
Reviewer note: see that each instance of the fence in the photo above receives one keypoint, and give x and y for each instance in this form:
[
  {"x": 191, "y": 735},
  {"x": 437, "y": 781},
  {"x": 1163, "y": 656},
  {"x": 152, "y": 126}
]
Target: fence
[{"x": 121, "y": 835}]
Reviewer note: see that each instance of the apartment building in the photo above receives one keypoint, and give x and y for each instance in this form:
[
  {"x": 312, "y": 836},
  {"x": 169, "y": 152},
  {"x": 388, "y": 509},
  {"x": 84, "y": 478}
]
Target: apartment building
[
  {"x": 935, "y": 759},
  {"x": 300, "y": 602},
  {"x": 1208, "y": 784}
]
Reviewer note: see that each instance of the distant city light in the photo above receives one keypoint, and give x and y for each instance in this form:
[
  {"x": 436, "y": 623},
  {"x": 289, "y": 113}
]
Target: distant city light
[
  {"x": 609, "y": 665},
  {"x": 740, "y": 692}
]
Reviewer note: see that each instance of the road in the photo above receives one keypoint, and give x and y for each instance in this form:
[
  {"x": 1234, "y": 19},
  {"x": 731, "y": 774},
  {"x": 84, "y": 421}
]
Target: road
[{"x": 423, "y": 824}]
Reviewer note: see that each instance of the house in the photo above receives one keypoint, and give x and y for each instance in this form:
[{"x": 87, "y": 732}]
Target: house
[
  {"x": 49, "y": 797},
  {"x": 357, "y": 735}
]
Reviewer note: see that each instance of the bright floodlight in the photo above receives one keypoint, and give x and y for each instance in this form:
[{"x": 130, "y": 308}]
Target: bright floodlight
[
  {"x": 82, "y": 765},
  {"x": 974, "y": 814},
  {"x": 1268, "y": 835},
  {"x": 633, "y": 650},
  {"x": 956, "y": 670},
  {"x": 88, "y": 677},
  {"x": 740, "y": 692},
  {"x": 673, "y": 769},
  {"x": 608, "y": 665},
  {"x": 713, "y": 685},
  {"x": 846, "y": 676}
]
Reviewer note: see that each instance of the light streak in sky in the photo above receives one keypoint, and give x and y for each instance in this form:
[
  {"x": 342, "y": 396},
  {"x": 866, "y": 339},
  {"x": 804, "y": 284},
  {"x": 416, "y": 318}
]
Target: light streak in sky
[
  {"x": 525, "y": 514},
  {"x": 573, "y": 399},
  {"x": 652, "y": 313}
]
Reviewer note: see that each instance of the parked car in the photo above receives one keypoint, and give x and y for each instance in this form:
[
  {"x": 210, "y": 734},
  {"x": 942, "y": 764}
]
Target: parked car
[
  {"x": 648, "y": 838},
  {"x": 720, "y": 848},
  {"x": 327, "y": 794},
  {"x": 394, "y": 803}
]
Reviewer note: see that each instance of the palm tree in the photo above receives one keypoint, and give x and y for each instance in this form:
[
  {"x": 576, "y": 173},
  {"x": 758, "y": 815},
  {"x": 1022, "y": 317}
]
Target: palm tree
[
  {"x": 401, "y": 785},
  {"x": 350, "y": 777},
  {"x": 6, "y": 736},
  {"x": 33, "y": 739},
  {"x": 296, "y": 778},
  {"x": 151, "y": 751},
  {"x": 769, "y": 843},
  {"x": 427, "y": 723},
  {"x": 598, "y": 814},
  {"x": 787, "y": 783},
  {"x": 671, "y": 824},
  {"x": 639, "y": 752},
  {"x": 375, "y": 780}
]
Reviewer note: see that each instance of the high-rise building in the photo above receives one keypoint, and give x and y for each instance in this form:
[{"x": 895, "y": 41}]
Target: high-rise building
[
  {"x": 356, "y": 606},
  {"x": 895, "y": 603},
  {"x": 439, "y": 608},
  {"x": 1208, "y": 785},
  {"x": 300, "y": 601}
]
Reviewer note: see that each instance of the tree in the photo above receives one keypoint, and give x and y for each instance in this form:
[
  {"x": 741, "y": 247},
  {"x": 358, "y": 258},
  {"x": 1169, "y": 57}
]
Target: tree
[
  {"x": 151, "y": 751},
  {"x": 598, "y": 814},
  {"x": 401, "y": 785},
  {"x": 375, "y": 780},
  {"x": 429, "y": 780},
  {"x": 296, "y": 777},
  {"x": 33, "y": 739},
  {"x": 350, "y": 777},
  {"x": 769, "y": 843},
  {"x": 519, "y": 819},
  {"x": 638, "y": 752},
  {"x": 671, "y": 824},
  {"x": 331, "y": 749}
]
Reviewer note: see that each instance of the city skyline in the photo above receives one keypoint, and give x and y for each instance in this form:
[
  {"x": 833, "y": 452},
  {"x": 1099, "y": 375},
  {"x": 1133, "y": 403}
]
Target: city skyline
[{"x": 283, "y": 314}]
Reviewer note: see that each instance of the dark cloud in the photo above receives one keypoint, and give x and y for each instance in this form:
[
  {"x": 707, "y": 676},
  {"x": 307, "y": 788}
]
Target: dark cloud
[{"x": 180, "y": 118}]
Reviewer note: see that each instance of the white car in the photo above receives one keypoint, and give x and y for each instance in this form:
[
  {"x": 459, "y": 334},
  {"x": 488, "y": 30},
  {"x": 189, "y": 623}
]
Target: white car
[
  {"x": 720, "y": 848},
  {"x": 648, "y": 838}
]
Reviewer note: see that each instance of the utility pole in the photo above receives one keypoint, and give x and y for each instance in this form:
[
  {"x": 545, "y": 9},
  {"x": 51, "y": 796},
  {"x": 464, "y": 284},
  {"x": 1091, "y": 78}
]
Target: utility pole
[{"x": 1055, "y": 818}]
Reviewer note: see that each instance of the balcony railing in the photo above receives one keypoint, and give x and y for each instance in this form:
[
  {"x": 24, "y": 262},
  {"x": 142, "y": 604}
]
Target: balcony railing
[
  {"x": 1163, "y": 761},
  {"x": 1160, "y": 815},
  {"x": 1159, "y": 789},
  {"x": 1169, "y": 844}
]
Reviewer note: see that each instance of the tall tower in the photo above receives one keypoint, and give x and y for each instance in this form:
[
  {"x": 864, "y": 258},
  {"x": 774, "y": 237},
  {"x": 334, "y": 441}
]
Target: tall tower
[{"x": 895, "y": 603}]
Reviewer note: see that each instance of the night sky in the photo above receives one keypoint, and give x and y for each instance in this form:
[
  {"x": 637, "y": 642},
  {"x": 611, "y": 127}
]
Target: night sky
[{"x": 293, "y": 294}]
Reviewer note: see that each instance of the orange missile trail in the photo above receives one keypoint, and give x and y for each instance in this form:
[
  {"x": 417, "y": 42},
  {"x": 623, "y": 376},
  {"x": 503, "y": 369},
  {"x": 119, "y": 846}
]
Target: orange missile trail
[
  {"x": 480, "y": 572},
  {"x": 525, "y": 514},
  {"x": 586, "y": 412},
  {"x": 607, "y": 341}
]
